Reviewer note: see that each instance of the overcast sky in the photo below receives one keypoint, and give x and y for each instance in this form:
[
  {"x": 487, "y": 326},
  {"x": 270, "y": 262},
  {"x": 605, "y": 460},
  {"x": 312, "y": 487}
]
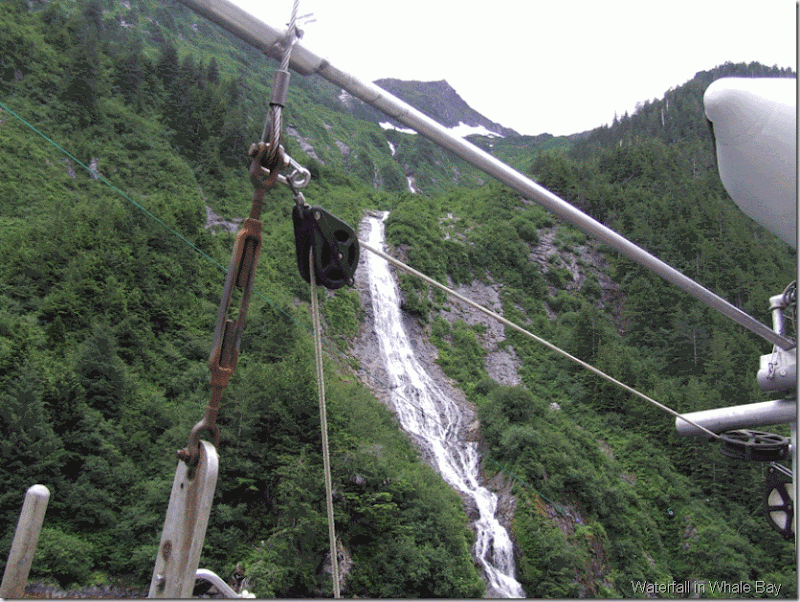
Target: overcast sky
[{"x": 539, "y": 66}]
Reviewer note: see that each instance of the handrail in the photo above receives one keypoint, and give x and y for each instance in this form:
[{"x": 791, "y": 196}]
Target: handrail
[{"x": 260, "y": 35}]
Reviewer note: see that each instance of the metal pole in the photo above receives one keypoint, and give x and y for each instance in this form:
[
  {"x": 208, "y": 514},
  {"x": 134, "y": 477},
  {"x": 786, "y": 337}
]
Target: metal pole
[
  {"x": 25, "y": 539},
  {"x": 794, "y": 480},
  {"x": 260, "y": 35},
  {"x": 185, "y": 526},
  {"x": 780, "y": 411}
]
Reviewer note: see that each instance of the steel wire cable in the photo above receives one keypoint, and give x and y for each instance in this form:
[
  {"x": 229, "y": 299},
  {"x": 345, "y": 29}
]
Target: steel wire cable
[{"x": 274, "y": 122}]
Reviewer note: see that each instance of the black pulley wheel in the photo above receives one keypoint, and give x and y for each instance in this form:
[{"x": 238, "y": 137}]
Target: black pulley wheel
[{"x": 758, "y": 446}]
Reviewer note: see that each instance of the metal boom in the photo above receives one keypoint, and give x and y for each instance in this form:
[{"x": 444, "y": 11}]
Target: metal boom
[{"x": 267, "y": 39}]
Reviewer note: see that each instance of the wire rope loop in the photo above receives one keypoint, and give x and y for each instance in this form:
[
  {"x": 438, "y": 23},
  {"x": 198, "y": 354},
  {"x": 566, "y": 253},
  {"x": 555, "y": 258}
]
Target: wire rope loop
[
  {"x": 273, "y": 157},
  {"x": 292, "y": 34},
  {"x": 265, "y": 167}
]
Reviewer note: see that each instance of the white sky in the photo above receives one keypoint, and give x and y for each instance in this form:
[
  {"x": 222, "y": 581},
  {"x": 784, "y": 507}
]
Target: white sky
[{"x": 556, "y": 66}]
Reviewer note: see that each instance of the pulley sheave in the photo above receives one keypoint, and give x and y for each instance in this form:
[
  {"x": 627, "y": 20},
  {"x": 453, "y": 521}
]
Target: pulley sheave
[
  {"x": 758, "y": 446},
  {"x": 335, "y": 245}
]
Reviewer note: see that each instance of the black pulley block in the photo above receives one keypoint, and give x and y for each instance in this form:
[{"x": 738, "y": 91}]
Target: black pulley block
[
  {"x": 758, "y": 446},
  {"x": 335, "y": 246}
]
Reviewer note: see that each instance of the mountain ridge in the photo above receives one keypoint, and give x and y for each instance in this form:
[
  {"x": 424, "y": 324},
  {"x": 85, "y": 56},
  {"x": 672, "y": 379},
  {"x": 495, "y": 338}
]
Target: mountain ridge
[{"x": 436, "y": 99}]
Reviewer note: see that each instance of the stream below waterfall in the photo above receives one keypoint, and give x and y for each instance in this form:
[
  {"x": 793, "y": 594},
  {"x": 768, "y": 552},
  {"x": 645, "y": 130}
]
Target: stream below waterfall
[{"x": 435, "y": 420}]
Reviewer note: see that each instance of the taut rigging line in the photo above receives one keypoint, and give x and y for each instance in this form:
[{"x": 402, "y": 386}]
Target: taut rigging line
[{"x": 510, "y": 324}]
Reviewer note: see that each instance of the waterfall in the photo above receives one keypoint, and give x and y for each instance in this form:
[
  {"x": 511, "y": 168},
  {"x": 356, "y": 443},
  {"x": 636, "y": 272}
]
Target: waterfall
[{"x": 434, "y": 420}]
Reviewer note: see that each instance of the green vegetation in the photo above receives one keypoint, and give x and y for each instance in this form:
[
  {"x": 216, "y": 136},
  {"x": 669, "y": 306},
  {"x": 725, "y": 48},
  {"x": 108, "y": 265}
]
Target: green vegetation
[{"x": 106, "y": 318}]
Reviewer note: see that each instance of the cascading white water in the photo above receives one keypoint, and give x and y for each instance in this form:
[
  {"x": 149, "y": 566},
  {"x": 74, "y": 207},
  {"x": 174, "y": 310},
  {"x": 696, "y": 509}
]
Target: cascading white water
[{"x": 435, "y": 420}]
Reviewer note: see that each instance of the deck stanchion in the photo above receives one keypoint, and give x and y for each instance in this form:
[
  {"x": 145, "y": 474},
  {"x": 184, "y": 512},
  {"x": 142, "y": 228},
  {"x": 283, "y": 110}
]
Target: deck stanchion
[
  {"x": 25, "y": 539},
  {"x": 185, "y": 526}
]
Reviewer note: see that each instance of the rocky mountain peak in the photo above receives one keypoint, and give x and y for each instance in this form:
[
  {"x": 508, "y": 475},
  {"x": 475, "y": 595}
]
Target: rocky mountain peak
[{"x": 438, "y": 100}]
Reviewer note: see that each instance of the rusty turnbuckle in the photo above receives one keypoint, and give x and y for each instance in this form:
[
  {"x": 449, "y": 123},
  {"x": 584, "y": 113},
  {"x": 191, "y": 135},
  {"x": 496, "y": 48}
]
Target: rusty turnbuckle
[{"x": 241, "y": 275}]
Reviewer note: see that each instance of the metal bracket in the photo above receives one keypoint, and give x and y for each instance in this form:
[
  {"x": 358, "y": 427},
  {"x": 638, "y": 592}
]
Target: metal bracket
[
  {"x": 185, "y": 526},
  {"x": 778, "y": 371}
]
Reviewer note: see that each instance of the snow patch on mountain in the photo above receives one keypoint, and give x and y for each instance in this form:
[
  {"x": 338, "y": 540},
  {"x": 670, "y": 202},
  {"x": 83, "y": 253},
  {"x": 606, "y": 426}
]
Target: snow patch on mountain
[
  {"x": 462, "y": 130},
  {"x": 388, "y": 126}
]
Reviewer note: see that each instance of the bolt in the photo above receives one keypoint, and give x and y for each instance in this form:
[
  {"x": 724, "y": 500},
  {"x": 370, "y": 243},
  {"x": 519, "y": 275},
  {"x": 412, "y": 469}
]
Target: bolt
[
  {"x": 161, "y": 581},
  {"x": 166, "y": 550},
  {"x": 317, "y": 215}
]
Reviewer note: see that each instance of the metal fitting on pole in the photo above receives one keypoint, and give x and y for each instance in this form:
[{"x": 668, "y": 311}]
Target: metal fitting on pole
[{"x": 280, "y": 88}]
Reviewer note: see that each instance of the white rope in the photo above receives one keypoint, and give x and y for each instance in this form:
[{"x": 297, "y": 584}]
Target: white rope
[
  {"x": 530, "y": 335},
  {"x": 326, "y": 462}
]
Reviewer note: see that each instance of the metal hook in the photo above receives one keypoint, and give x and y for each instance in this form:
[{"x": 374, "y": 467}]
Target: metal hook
[
  {"x": 300, "y": 176},
  {"x": 265, "y": 176}
]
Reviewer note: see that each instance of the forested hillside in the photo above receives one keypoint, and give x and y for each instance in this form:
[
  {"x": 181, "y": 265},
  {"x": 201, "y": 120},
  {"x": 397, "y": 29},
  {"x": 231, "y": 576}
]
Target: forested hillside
[
  {"x": 634, "y": 501},
  {"x": 121, "y": 123},
  {"x": 106, "y": 317}
]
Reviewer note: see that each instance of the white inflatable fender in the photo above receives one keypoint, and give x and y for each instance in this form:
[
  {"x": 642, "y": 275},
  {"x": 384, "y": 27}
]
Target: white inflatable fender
[{"x": 755, "y": 128}]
